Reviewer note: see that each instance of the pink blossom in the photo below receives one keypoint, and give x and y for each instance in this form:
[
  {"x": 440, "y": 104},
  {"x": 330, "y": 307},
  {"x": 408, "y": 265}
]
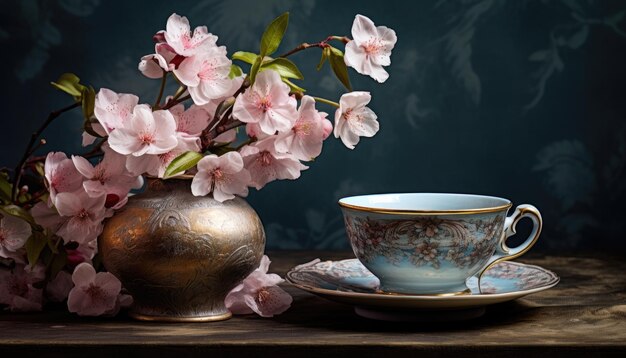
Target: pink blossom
[
  {"x": 267, "y": 103},
  {"x": 259, "y": 292},
  {"x": 224, "y": 176},
  {"x": 206, "y": 75},
  {"x": 265, "y": 164},
  {"x": 353, "y": 119},
  {"x": 191, "y": 122},
  {"x": 156, "y": 164},
  {"x": 147, "y": 132},
  {"x": 89, "y": 139},
  {"x": 47, "y": 217},
  {"x": 253, "y": 130},
  {"x": 153, "y": 65},
  {"x": 178, "y": 36},
  {"x": 14, "y": 232},
  {"x": 305, "y": 139},
  {"x": 85, "y": 252},
  {"x": 61, "y": 174},
  {"x": 328, "y": 128},
  {"x": 370, "y": 49},
  {"x": 59, "y": 287},
  {"x": 226, "y": 137},
  {"x": 114, "y": 110},
  {"x": 109, "y": 177},
  {"x": 84, "y": 213},
  {"x": 17, "y": 287},
  {"x": 93, "y": 294}
]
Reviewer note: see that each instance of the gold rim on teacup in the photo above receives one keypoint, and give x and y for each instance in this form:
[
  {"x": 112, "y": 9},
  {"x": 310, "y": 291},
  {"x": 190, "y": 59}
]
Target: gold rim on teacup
[{"x": 378, "y": 210}]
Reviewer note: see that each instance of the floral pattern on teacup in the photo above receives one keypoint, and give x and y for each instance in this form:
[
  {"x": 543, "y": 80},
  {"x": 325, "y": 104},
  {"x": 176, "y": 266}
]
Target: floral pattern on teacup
[{"x": 425, "y": 241}]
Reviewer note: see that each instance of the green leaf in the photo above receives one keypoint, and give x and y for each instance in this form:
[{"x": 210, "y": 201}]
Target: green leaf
[
  {"x": 273, "y": 35},
  {"x": 325, "y": 56},
  {"x": 255, "y": 69},
  {"x": 6, "y": 188},
  {"x": 88, "y": 102},
  {"x": 293, "y": 86},
  {"x": 247, "y": 57},
  {"x": 69, "y": 83},
  {"x": 339, "y": 67},
  {"x": 284, "y": 67},
  {"x": 235, "y": 71},
  {"x": 183, "y": 162},
  {"x": 19, "y": 212},
  {"x": 34, "y": 246}
]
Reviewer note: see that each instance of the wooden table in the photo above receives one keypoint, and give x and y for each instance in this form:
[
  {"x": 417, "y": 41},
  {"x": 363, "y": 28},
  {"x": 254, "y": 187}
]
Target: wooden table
[{"x": 585, "y": 315}]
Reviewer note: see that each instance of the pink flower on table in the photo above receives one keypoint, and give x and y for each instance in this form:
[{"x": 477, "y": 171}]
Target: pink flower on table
[
  {"x": 84, "y": 213},
  {"x": 224, "y": 176},
  {"x": 114, "y": 110},
  {"x": 305, "y": 139},
  {"x": 265, "y": 164},
  {"x": 94, "y": 294},
  {"x": 156, "y": 164},
  {"x": 109, "y": 177},
  {"x": 163, "y": 59},
  {"x": 268, "y": 104},
  {"x": 353, "y": 119},
  {"x": 259, "y": 292},
  {"x": 370, "y": 48},
  {"x": 146, "y": 132},
  {"x": 178, "y": 35},
  {"x": 14, "y": 232},
  {"x": 61, "y": 174},
  {"x": 17, "y": 287},
  {"x": 206, "y": 75},
  {"x": 59, "y": 287}
]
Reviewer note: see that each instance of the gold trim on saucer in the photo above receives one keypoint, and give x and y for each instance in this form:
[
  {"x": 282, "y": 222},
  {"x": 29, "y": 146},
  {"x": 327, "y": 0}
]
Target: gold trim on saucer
[
  {"x": 466, "y": 291},
  {"x": 425, "y": 212}
]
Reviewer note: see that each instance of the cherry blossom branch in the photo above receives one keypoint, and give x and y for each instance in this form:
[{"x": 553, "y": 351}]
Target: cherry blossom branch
[
  {"x": 321, "y": 44},
  {"x": 157, "y": 103},
  {"x": 327, "y": 101},
  {"x": 174, "y": 102},
  {"x": 179, "y": 92},
  {"x": 228, "y": 126},
  {"x": 29, "y": 149},
  {"x": 96, "y": 151},
  {"x": 211, "y": 130}
]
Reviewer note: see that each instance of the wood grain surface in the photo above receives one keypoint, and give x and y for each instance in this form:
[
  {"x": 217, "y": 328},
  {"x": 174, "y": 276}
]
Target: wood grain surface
[{"x": 584, "y": 315}]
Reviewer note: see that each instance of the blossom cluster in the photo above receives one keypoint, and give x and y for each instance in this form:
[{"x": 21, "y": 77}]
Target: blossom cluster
[{"x": 241, "y": 130}]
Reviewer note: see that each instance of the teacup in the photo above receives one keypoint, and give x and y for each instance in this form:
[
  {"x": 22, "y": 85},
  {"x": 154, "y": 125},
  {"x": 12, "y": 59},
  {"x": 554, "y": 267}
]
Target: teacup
[{"x": 428, "y": 243}]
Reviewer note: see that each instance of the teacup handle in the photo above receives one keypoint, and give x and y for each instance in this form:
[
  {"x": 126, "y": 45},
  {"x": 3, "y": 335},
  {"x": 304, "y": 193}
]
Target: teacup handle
[{"x": 503, "y": 252}]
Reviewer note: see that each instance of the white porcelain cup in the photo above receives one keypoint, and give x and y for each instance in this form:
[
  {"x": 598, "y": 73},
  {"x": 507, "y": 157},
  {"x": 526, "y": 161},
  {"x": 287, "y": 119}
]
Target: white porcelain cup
[{"x": 430, "y": 243}]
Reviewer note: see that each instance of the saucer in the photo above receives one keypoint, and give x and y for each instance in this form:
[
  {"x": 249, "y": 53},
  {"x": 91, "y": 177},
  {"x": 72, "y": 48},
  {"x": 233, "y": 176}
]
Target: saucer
[{"x": 348, "y": 281}]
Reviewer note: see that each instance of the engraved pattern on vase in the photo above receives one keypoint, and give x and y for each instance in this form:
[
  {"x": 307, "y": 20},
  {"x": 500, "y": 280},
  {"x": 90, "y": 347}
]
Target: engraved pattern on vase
[{"x": 180, "y": 255}]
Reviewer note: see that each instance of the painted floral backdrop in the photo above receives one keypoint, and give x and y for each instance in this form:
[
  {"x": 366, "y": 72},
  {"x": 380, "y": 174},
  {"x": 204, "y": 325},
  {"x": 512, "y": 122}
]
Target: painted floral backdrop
[{"x": 521, "y": 99}]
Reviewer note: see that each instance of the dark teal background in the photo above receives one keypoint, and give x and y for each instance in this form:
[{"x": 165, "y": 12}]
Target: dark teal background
[{"x": 520, "y": 99}]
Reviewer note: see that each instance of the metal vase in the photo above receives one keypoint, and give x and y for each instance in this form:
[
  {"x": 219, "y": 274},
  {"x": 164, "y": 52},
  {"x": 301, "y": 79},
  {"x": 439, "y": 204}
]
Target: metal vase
[{"x": 179, "y": 255}]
